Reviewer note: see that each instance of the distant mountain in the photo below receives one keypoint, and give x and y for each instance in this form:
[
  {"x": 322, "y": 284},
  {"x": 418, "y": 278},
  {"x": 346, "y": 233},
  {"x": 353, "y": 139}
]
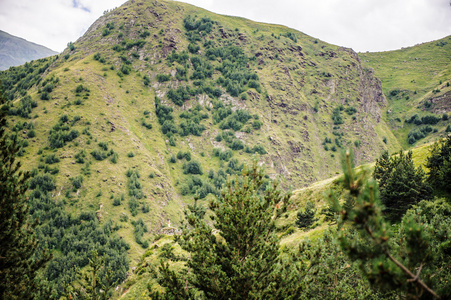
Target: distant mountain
[{"x": 15, "y": 51}]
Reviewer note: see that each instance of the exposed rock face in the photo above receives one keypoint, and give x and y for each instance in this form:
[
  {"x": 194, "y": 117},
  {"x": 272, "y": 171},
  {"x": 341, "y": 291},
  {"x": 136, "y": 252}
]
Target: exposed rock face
[
  {"x": 441, "y": 104},
  {"x": 372, "y": 98}
]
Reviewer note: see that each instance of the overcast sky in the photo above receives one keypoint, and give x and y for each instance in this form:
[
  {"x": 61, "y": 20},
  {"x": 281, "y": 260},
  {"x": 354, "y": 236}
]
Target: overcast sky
[{"x": 364, "y": 25}]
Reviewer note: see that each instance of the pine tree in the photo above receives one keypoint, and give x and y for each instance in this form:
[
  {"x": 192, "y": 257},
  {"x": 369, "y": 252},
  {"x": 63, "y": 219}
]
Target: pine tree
[
  {"x": 401, "y": 184},
  {"x": 18, "y": 266},
  {"x": 439, "y": 165},
  {"x": 306, "y": 218},
  {"x": 239, "y": 257},
  {"x": 89, "y": 285},
  {"x": 392, "y": 263}
]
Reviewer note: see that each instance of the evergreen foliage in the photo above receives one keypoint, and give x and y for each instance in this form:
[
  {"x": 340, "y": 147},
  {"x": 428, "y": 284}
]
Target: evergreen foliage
[
  {"x": 401, "y": 184},
  {"x": 192, "y": 167},
  {"x": 17, "y": 80},
  {"x": 404, "y": 262},
  {"x": 19, "y": 265},
  {"x": 163, "y": 112},
  {"x": 241, "y": 260},
  {"x": 74, "y": 237},
  {"x": 89, "y": 284},
  {"x": 24, "y": 108},
  {"x": 336, "y": 116},
  {"x": 439, "y": 165},
  {"x": 59, "y": 135},
  {"x": 305, "y": 219}
]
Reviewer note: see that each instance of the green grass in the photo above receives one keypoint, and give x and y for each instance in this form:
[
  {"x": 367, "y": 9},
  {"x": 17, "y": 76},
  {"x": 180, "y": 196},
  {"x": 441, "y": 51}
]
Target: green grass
[{"x": 416, "y": 72}]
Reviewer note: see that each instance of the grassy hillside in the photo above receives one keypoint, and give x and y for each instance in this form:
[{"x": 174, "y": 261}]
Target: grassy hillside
[
  {"x": 291, "y": 236},
  {"x": 109, "y": 79},
  {"x": 160, "y": 101},
  {"x": 416, "y": 81}
]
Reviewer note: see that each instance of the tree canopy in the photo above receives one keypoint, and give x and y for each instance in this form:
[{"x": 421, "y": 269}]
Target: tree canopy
[
  {"x": 237, "y": 257},
  {"x": 18, "y": 261}
]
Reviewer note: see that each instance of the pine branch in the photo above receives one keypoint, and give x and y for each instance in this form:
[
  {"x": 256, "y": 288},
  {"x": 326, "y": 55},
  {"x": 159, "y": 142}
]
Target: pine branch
[{"x": 414, "y": 278}]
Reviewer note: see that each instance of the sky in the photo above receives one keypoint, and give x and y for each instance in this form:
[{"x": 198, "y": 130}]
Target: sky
[{"x": 363, "y": 25}]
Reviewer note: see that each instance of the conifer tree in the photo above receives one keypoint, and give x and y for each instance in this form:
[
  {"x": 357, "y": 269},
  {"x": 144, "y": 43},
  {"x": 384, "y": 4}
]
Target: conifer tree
[
  {"x": 401, "y": 184},
  {"x": 239, "y": 257},
  {"x": 18, "y": 267},
  {"x": 306, "y": 218},
  {"x": 89, "y": 285},
  {"x": 389, "y": 263},
  {"x": 439, "y": 165}
]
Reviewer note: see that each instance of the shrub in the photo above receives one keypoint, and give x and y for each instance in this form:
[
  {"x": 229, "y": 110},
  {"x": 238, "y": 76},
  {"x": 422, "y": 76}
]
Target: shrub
[
  {"x": 192, "y": 167},
  {"x": 178, "y": 96},
  {"x": 114, "y": 158},
  {"x": 99, "y": 155},
  {"x": 336, "y": 116},
  {"x": 306, "y": 218},
  {"x": 51, "y": 159},
  {"x": 45, "y": 96},
  {"x": 164, "y": 113},
  {"x": 31, "y": 134},
  {"x": 44, "y": 182},
  {"x": 257, "y": 124},
  {"x": 180, "y": 155},
  {"x": 187, "y": 155},
  {"x": 236, "y": 145},
  {"x": 163, "y": 77},
  {"x": 172, "y": 141},
  {"x": 77, "y": 182},
  {"x": 350, "y": 110},
  {"x": 126, "y": 69}
]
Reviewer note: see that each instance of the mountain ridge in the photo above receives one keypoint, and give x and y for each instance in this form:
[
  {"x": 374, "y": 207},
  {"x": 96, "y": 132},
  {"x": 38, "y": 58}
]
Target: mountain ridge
[{"x": 15, "y": 51}]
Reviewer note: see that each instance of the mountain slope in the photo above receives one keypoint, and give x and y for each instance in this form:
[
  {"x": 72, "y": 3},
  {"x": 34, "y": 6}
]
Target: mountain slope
[
  {"x": 15, "y": 51},
  {"x": 237, "y": 88},
  {"x": 159, "y": 101},
  {"x": 416, "y": 81}
]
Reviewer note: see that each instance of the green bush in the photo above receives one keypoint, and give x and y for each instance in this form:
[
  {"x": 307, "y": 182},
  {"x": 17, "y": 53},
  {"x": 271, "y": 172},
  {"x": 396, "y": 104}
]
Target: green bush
[
  {"x": 51, "y": 159},
  {"x": 192, "y": 167},
  {"x": 178, "y": 96},
  {"x": 118, "y": 200},
  {"x": 77, "y": 182},
  {"x": 306, "y": 218},
  {"x": 236, "y": 145},
  {"x": 163, "y": 77}
]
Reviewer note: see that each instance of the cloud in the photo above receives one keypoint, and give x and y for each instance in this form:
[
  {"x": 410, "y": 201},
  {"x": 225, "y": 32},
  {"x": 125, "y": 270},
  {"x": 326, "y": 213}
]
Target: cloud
[
  {"x": 76, "y": 4},
  {"x": 371, "y": 25},
  {"x": 52, "y": 23}
]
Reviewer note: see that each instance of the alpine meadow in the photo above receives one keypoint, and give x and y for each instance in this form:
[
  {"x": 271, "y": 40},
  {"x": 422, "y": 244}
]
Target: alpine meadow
[{"x": 174, "y": 153}]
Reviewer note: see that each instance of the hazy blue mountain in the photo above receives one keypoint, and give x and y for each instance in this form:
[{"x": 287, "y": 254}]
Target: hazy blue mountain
[{"x": 15, "y": 51}]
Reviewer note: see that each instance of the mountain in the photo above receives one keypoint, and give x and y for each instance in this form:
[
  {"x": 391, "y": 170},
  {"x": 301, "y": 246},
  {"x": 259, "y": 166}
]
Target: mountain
[
  {"x": 159, "y": 101},
  {"x": 416, "y": 82},
  {"x": 15, "y": 51}
]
